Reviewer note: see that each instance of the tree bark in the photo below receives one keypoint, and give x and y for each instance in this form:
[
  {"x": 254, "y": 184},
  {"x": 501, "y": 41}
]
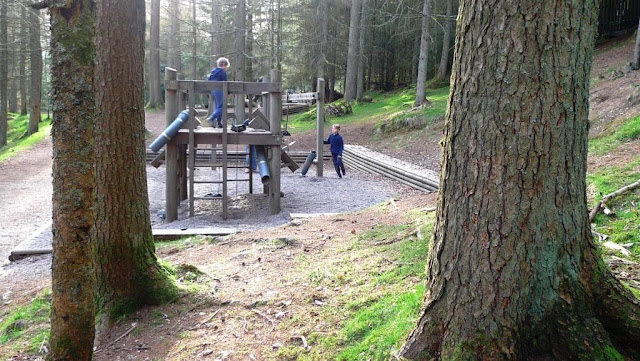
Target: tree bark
[
  {"x": 4, "y": 71},
  {"x": 249, "y": 43},
  {"x": 155, "y": 90},
  {"x": 322, "y": 16},
  {"x": 72, "y": 72},
  {"x": 24, "y": 99},
  {"x": 513, "y": 273},
  {"x": 35, "y": 84},
  {"x": 13, "y": 67},
  {"x": 173, "y": 48},
  {"x": 635, "y": 64},
  {"x": 127, "y": 272},
  {"x": 194, "y": 52},
  {"x": 360, "y": 78},
  {"x": 443, "y": 70},
  {"x": 424, "y": 53},
  {"x": 240, "y": 43},
  {"x": 350, "y": 82},
  {"x": 216, "y": 26}
]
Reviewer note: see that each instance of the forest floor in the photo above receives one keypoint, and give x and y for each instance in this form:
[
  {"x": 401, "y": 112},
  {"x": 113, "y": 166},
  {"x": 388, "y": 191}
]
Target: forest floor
[{"x": 346, "y": 286}]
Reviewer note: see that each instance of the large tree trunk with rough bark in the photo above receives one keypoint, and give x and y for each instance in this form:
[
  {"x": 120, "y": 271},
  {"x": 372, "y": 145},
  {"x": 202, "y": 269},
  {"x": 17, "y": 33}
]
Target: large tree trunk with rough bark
[
  {"x": 155, "y": 91},
  {"x": 424, "y": 52},
  {"x": 513, "y": 273},
  {"x": 443, "y": 69},
  {"x": 351, "y": 78},
  {"x": 127, "y": 272},
  {"x": 4, "y": 71},
  {"x": 72, "y": 134},
  {"x": 173, "y": 48}
]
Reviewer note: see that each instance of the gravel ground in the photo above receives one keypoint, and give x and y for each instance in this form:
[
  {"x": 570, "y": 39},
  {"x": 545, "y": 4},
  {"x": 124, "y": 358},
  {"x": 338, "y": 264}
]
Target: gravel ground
[{"x": 302, "y": 194}]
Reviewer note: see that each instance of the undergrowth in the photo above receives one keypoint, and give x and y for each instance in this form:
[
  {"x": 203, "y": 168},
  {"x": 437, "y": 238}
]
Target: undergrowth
[
  {"x": 617, "y": 134},
  {"x": 386, "y": 108},
  {"x": 16, "y": 139},
  {"x": 379, "y": 274},
  {"x": 28, "y": 323}
]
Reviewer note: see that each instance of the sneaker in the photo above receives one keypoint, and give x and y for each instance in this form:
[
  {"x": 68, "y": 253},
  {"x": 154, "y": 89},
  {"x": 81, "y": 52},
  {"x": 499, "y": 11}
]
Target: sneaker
[{"x": 246, "y": 170}]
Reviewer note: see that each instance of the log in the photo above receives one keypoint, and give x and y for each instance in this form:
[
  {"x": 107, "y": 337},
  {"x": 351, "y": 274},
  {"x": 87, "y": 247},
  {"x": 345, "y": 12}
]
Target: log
[{"x": 602, "y": 203}]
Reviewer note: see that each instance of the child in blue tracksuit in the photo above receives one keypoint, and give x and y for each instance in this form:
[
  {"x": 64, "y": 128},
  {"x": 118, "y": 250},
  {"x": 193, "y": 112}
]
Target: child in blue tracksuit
[
  {"x": 218, "y": 74},
  {"x": 337, "y": 145}
]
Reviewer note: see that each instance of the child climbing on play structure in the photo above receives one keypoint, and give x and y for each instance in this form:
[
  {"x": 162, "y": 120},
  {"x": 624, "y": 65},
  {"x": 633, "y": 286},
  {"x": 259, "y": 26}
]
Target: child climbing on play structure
[
  {"x": 337, "y": 145},
  {"x": 218, "y": 74}
]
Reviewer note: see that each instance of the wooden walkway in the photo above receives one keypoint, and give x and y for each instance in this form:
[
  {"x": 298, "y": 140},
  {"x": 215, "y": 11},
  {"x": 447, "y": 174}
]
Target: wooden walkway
[{"x": 365, "y": 159}]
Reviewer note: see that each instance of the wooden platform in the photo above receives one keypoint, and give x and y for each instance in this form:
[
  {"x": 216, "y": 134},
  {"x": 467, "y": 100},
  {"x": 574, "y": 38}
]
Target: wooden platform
[
  {"x": 206, "y": 135},
  {"x": 40, "y": 241}
]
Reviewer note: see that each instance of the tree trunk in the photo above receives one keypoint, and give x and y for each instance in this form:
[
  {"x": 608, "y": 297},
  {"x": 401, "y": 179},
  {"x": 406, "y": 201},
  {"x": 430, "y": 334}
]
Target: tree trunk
[
  {"x": 249, "y": 43},
  {"x": 443, "y": 70},
  {"x": 322, "y": 16},
  {"x": 424, "y": 53},
  {"x": 173, "y": 48},
  {"x": 127, "y": 272},
  {"x": 4, "y": 71},
  {"x": 194, "y": 52},
  {"x": 216, "y": 26},
  {"x": 360, "y": 78},
  {"x": 513, "y": 273},
  {"x": 24, "y": 99},
  {"x": 279, "y": 39},
  {"x": 352, "y": 53},
  {"x": 72, "y": 134},
  {"x": 13, "y": 76},
  {"x": 155, "y": 90},
  {"x": 635, "y": 65},
  {"x": 239, "y": 23},
  {"x": 35, "y": 84}
]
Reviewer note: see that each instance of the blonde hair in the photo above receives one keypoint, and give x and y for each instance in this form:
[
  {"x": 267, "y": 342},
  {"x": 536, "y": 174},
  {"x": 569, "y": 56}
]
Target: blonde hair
[
  {"x": 222, "y": 61},
  {"x": 337, "y": 126}
]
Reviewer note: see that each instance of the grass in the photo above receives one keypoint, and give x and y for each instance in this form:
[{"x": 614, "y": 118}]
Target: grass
[
  {"x": 618, "y": 133},
  {"x": 624, "y": 227},
  {"x": 382, "y": 294},
  {"x": 17, "y": 128},
  {"x": 29, "y": 322},
  {"x": 386, "y": 107}
]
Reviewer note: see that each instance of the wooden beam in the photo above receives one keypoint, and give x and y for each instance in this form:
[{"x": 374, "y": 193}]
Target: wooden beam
[
  {"x": 275, "y": 120},
  {"x": 171, "y": 150},
  {"x": 320, "y": 128},
  {"x": 234, "y": 87}
]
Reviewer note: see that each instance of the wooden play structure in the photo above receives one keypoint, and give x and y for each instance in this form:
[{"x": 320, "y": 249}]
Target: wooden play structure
[{"x": 180, "y": 153}]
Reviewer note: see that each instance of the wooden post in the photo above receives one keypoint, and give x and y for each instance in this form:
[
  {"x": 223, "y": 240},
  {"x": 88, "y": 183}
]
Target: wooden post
[
  {"x": 320, "y": 127},
  {"x": 182, "y": 171},
  {"x": 266, "y": 99},
  {"x": 192, "y": 147},
  {"x": 225, "y": 90},
  {"x": 171, "y": 158},
  {"x": 181, "y": 96},
  {"x": 275, "y": 119}
]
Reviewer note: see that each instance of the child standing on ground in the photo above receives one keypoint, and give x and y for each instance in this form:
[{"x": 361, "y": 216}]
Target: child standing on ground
[
  {"x": 218, "y": 74},
  {"x": 337, "y": 145}
]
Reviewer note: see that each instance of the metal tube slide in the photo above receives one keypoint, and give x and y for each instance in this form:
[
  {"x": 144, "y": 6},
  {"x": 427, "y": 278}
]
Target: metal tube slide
[
  {"x": 170, "y": 132},
  {"x": 308, "y": 162},
  {"x": 263, "y": 166}
]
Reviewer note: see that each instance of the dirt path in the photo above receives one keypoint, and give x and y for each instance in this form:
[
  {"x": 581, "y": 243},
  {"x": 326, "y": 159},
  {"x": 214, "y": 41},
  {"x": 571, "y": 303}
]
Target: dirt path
[{"x": 25, "y": 195}]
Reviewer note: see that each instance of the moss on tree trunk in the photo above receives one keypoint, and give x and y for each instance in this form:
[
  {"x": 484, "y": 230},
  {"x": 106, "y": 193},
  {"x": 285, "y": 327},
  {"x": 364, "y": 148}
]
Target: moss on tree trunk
[
  {"x": 72, "y": 50},
  {"x": 128, "y": 274},
  {"x": 513, "y": 273}
]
